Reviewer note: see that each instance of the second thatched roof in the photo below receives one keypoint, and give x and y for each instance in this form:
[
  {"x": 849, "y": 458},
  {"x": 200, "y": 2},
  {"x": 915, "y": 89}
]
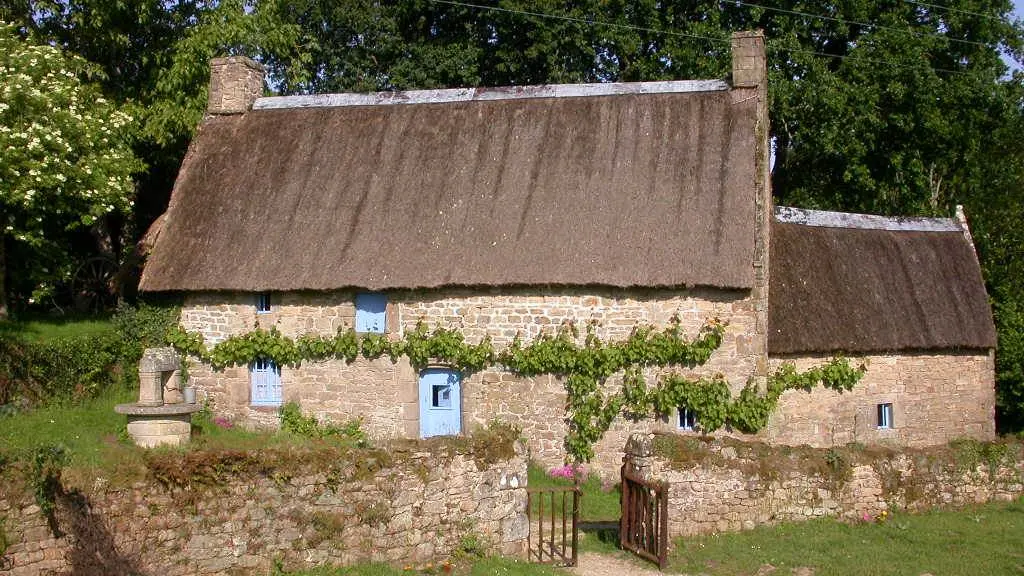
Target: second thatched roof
[{"x": 861, "y": 284}]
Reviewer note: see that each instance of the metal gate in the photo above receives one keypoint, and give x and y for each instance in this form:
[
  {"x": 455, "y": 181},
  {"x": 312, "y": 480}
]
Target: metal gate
[
  {"x": 643, "y": 528},
  {"x": 554, "y": 517}
]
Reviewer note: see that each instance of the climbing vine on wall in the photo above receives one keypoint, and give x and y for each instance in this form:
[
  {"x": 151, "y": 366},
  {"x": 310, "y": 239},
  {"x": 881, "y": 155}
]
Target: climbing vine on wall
[{"x": 584, "y": 369}]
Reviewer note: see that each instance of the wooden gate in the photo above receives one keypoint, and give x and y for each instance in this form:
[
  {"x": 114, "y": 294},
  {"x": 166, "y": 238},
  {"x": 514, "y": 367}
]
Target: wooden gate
[
  {"x": 554, "y": 516},
  {"x": 643, "y": 528}
]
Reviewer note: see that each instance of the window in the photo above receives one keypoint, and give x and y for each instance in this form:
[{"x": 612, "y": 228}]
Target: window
[
  {"x": 885, "y": 415},
  {"x": 371, "y": 312},
  {"x": 263, "y": 303},
  {"x": 265, "y": 379},
  {"x": 441, "y": 396},
  {"x": 687, "y": 420}
]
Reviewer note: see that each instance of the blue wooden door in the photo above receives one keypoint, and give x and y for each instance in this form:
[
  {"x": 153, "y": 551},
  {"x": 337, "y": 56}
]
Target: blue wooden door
[{"x": 440, "y": 402}]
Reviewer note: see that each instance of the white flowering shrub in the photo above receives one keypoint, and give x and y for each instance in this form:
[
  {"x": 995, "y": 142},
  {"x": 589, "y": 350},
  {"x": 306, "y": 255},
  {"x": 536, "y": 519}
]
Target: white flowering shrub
[{"x": 65, "y": 156}]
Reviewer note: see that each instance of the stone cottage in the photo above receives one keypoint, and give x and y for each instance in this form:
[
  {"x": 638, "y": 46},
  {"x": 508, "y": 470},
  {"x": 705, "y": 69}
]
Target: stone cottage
[{"x": 504, "y": 211}]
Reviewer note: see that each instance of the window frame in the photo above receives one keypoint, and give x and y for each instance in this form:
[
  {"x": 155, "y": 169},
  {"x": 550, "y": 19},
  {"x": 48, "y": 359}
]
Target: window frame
[
  {"x": 884, "y": 416},
  {"x": 686, "y": 419},
  {"x": 264, "y": 304}
]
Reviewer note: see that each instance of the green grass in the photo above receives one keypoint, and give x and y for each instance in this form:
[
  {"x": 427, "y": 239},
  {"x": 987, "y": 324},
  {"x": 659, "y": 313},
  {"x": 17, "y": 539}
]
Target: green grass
[
  {"x": 88, "y": 429},
  {"x": 598, "y": 504},
  {"x": 45, "y": 328},
  {"x": 980, "y": 540}
]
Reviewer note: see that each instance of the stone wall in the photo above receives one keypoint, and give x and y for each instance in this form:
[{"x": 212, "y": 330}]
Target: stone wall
[
  {"x": 727, "y": 485},
  {"x": 935, "y": 398},
  {"x": 384, "y": 394},
  {"x": 412, "y": 505}
]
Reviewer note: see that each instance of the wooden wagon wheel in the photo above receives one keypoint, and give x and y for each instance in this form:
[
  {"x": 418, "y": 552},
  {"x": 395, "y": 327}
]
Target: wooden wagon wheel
[{"x": 93, "y": 284}]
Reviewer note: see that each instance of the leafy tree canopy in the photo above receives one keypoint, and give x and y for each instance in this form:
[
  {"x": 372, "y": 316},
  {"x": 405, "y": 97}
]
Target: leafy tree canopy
[
  {"x": 64, "y": 154},
  {"x": 881, "y": 106}
]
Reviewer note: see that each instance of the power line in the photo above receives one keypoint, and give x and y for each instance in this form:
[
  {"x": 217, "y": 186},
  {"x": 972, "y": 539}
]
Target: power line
[
  {"x": 859, "y": 59},
  {"x": 591, "y": 22},
  {"x": 855, "y": 23},
  {"x": 958, "y": 10},
  {"x": 587, "y": 21}
]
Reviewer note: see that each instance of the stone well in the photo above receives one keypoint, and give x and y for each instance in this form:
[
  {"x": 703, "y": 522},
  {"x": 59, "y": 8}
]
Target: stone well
[{"x": 151, "y": 421}]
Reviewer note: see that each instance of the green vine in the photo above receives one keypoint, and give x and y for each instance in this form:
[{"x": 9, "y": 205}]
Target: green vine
[{"x": 584, "y": 370}]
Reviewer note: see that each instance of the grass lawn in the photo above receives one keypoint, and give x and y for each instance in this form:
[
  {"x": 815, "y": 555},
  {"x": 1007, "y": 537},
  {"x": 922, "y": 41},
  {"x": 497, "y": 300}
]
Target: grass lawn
[
  {"x": 598, "y": 504},
  {"x": 985, "y": 540},
  {"x": 88, "y": 429},
  {"x": 46, "y": 327}
]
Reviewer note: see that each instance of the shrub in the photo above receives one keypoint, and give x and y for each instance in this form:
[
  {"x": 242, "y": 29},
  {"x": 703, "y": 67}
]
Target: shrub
[
  {"x": 293, "y": 421},
  {"x": 67, "y": 367},
  {"x": 47, "y": 462},
  {"x": 76, "y": 366}
]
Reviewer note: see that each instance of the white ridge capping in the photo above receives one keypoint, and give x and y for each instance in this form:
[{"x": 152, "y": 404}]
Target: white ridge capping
[
  {"x": 828, "y": 219},
  {"x": 484, "y": 94}
]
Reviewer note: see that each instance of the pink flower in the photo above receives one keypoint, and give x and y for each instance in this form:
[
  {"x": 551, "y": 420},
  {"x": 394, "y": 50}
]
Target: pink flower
[
  {"x": 222, "y": 422},
  {"x": 568, "y": 472}
]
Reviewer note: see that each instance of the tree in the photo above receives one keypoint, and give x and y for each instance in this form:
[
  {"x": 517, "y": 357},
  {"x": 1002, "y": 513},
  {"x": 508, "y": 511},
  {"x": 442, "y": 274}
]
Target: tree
[{"x": 65, "y": 161}]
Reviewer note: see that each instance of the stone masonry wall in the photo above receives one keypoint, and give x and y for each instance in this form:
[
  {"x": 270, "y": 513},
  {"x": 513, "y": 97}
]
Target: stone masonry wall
[
  {"x": 385, "y": 394},
  {"x": 935, "y": 398},
  {"x": 729, "y": 486},
  {"x": 413, "y": 511}
]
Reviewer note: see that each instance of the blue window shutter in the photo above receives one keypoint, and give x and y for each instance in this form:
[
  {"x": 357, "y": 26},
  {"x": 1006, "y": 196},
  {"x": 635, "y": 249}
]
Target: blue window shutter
[
  {"x": 371, "y": 312},
  {"x": 265, "y": 381}
]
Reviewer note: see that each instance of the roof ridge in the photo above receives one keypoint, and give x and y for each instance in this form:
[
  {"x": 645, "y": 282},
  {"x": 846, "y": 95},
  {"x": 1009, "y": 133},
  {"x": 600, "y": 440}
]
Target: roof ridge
[
  {"x": 830, "y": 219},
  {"x": 488, "y": 93}
]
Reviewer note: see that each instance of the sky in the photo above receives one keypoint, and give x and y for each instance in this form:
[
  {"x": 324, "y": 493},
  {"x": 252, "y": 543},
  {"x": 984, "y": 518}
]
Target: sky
[{"x": 1018, "y": 10}]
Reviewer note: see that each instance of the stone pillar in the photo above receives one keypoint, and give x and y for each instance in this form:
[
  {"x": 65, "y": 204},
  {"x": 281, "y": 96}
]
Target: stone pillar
[
  {"x": 155, "y": 363},
  {"x": 151, "y": 388},
  {"x": 235, "y": 84},
  {"x": 637, "y": 460}
]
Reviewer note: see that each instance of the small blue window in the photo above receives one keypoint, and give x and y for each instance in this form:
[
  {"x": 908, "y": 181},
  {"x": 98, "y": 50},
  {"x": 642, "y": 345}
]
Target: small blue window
[
  {"x": 441, "y": 396},
  {"x": 687, "y": 420},
  {"x": 263, "y": 303},
  {"x": 266, "y": 383},
  {"x": 885, "y": 415},
  {"x": 371, "y": 312}
]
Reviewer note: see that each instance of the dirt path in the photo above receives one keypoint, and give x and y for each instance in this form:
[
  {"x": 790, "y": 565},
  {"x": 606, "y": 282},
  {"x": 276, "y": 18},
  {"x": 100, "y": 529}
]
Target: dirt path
[{"x": 594, "y": 564}]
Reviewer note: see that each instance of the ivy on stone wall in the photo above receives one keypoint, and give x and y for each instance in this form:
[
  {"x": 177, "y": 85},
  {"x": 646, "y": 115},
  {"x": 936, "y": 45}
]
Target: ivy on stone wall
[{"x": 584, "y": 369}]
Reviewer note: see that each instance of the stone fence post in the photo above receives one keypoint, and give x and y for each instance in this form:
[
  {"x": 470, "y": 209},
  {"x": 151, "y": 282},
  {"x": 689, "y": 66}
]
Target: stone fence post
[{"x": 637, "y": 461}]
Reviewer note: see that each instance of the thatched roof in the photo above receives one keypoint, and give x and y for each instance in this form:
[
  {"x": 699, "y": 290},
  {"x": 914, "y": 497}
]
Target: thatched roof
[
  {"x": 618, "y": 186},
  {"x": 846, "y": 283}
]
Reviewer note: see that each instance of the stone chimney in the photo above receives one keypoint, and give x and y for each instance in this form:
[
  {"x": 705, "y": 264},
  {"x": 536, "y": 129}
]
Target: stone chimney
[
  {"x": 748, "y": 60},
  {"x": 235, "y": 84},
  {"x": 750, "y": 85}
]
